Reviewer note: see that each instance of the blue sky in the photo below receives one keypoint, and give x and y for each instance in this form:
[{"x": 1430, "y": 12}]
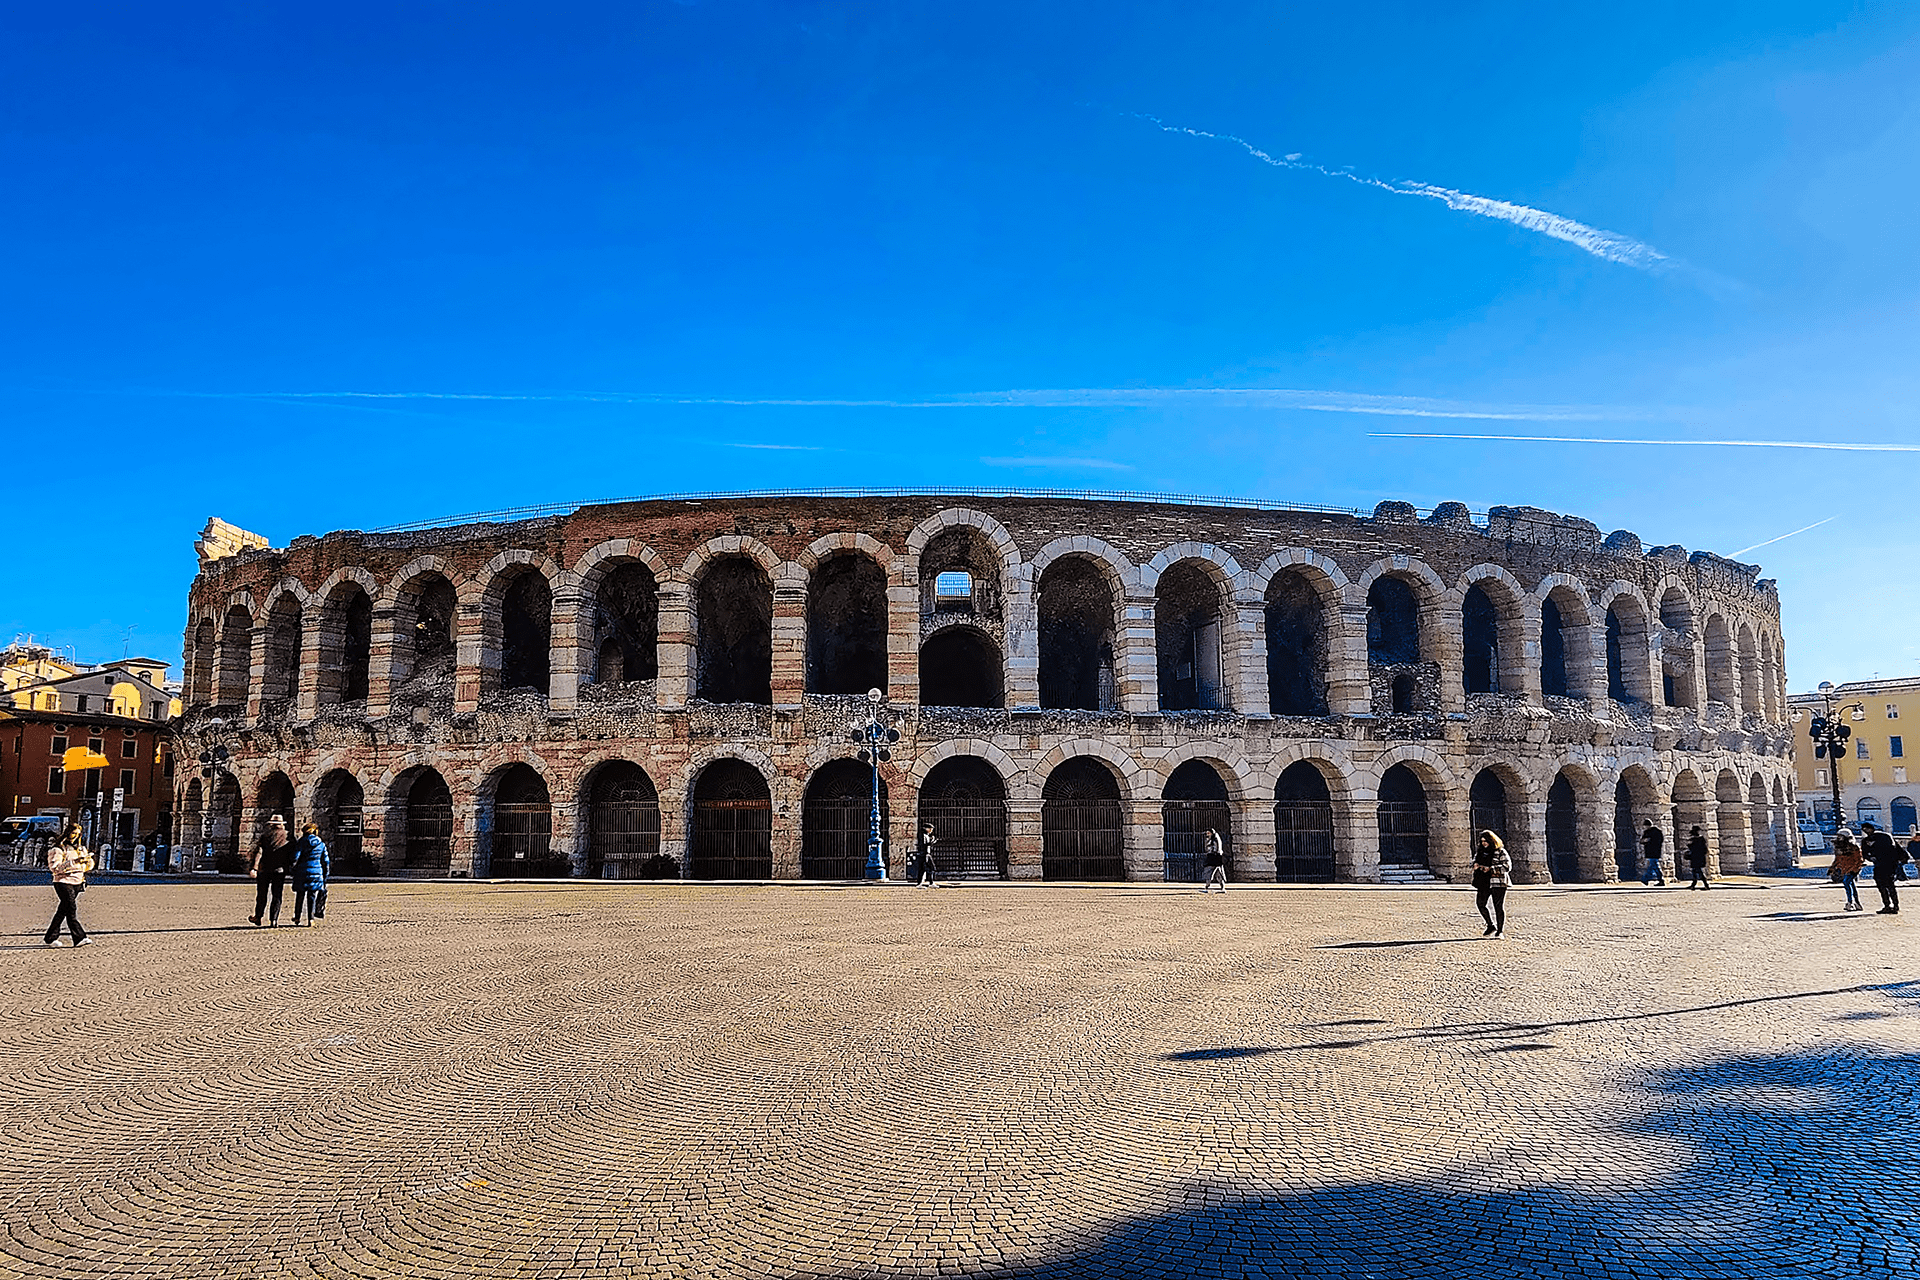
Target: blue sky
[{"x": 662, "y": 245}]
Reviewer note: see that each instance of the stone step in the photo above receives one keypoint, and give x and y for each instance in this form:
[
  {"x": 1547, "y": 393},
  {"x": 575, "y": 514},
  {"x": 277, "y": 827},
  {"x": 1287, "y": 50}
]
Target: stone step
[{"x": 1409, "y": 875}]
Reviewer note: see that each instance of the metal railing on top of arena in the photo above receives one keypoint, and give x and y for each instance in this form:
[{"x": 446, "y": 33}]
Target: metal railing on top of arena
[{"x": 535, "y": 511}]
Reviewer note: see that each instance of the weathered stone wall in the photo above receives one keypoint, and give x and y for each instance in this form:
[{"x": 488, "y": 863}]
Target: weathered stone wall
[{"x": 1724, "y": 763}]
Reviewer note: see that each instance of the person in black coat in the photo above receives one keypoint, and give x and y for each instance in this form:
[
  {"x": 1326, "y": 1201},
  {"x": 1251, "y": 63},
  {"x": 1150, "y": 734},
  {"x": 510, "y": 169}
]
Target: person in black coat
[
  {"x": 1653, "y": 843},
  {"x": 272, "y": 859},
  {"x": 1888, "y": 863},
  {"x": 1697, "y": 859}
]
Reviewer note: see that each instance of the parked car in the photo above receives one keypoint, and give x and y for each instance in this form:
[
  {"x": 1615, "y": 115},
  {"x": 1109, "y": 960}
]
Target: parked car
[
  {"x": 1813, "y": 839},
  {"x": 22, "y": 827}
]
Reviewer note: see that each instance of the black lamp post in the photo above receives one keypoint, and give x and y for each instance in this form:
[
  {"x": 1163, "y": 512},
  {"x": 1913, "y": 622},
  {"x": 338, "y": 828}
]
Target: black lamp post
[
  {"x": 212, "y": 762},
  {"x": 1830, "y": 740},
  {"x": 874, "y": 737}
]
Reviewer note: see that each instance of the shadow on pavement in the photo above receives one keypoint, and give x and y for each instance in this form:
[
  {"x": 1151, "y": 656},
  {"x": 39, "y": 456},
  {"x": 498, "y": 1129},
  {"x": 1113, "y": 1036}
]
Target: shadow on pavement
[{"x": 1396, "y": 942}]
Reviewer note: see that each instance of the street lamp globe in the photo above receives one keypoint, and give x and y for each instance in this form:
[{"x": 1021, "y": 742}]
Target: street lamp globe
[{"x": 875, "y": 696}]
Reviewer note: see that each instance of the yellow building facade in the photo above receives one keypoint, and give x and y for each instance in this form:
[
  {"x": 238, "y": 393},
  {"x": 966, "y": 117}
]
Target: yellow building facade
[{"x": 1874, "y": 779}]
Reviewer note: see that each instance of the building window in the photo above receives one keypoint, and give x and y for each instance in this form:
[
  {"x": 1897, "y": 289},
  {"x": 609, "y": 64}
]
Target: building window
[
  {"x": 96, "y": 746},
  {"x": 129, "y": 750},
  {"x": 60, "y": 744},
  {"x": 56, "y": 781},
  {"x": 1899, "y": 773},
  {"x": 1860, "y": 751},
  {"x": 1893, "y": 711},
  {"x": 1819, "y": 777},
  {"x": 126, "y": 781},
  {"x": 83, "y": 702},
  {"x": 159, "y": 711},
  {"x": 1894, "y": 748},
  {"x": 1866, "y": 776}
]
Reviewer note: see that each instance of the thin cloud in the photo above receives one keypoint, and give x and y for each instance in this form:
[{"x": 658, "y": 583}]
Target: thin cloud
[
  {"x": 1304, "y": 399},
  {"x": 785, "y": 448},
  {"x": 1097, "y": 464},
  {"x": 1782, "y": 538},
  {"x": 1840, "y": 445},
  {"x": 1610, "y": 245}
]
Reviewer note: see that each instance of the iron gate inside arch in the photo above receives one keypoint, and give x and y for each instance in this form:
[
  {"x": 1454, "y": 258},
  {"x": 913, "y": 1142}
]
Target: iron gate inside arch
[
  {"x": 1194, "y": 803},
  {"x": 1303, "y": 827},
  {"x": 732, "y": 837},
  {"x": 835, "y": 822},
  {"x": 1563, "y": 832},
  {"x": 623, "y": 824},
  {"x": 1403, "y": 819},
  {"x": 966, "y": 802},
  {"x": 1082, "y": 825}
]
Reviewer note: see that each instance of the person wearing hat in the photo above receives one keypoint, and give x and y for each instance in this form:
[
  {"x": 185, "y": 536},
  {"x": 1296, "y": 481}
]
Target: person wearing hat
[
  {"x": 310, "y": 868},
  {"x": 923, "y": 855},
  {"x": 272, "y": 859},
  {"x": 1887, "y": 866}
]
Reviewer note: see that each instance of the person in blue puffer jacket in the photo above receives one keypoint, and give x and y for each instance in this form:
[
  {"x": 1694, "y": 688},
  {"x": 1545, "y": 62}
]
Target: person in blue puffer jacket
[{"x": 310, "y": 868}]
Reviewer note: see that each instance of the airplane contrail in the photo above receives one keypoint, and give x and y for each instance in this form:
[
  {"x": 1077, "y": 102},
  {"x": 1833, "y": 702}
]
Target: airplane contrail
[
  {"x": 1843, "y": 446},
  {"x": 1610, "y": 245},
  {"x": 1782, "y": 538}
]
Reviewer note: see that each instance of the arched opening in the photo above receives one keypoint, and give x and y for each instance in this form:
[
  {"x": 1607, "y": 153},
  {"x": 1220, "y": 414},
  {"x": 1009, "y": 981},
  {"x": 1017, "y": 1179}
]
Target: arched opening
[
  {"x": 1403, "y": 819},
  {"x": 1487, "y": 804},
  {"x": 526, "y": 630},
  {"x": 1296, "y": 646},
  {"x": 1553, "y": 649},
  {"x": 203, "y": 662},
  {"x": 346, "y": 645},
  {"x": 966, "y": 801},
  {"x": 274, "y": 799},
  {"x": 280, "y": 680},
  {"x": 1627, "y": 640},
  {"x": 193, "y": 833},
  {"x": 1076, "y": 636},
  {"x": 836, "y": 817},
  {"x": 960, "y": 574},
  {"x": 427, "y": 627},
  {"x": 1867, "y": 810},
  {"x": 521, "y": 841},
  {"x": 847, "y": 625},
  {"x": 1759, "y": 824},
  {"x": 1193, "y": 803},
  {"x": 623, "y": 825},
  {"x": 1900, "y": 817},
  {"x": 1186, "y": 626},
  {"x": 1676, "y": 650},
  {"x": 339, "y": 812},
  {"x": 1403, "y": 695},
  {"x": 735, "y": 622},
  {"x": 731, "y": 836},
  {"x": 224, "y": 827},
  {"x": 960, "y": 667},
  {"x": 1626, "y": 832},
  {"x": 1393, "y": 623},
  {"x": 1563, "y": 831},
  {"x": 1303, "y": 826},
  {"x": 236, "y": 657},
  {"x": 1082, "y": 824},
  {"x": 626, "y": 625},
  {"x": 426, "y": 823},
  {"x": 1720, "y": 677},
  {"x": 1480, "y": 635},
  {"x": 1689, "y": 810}
]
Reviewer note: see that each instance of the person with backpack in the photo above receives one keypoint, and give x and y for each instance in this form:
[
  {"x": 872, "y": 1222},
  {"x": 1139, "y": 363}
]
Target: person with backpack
[
  {"x": 1216, "y": 860},
  {"x": 1697, "y": 859},
  {"x": 69, "y": 863},
  {"x": 272, "y": 859},
  {"x": 311, "y": 867},
  {"x": 1492, "y": 875},
  {"x": 1847, "y": 861},
  {"x": 1653, "y": 843},
  {"x": 1887, "y": 866}
]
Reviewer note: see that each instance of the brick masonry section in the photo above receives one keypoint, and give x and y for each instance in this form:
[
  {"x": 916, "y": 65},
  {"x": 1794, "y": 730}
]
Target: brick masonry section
[{"x": 1648, "y": 681}]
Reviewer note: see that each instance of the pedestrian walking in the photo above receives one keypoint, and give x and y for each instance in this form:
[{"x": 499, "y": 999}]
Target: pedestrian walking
[
  {"x": 1653, "y": 843},
  {"x": 1913, "y": 849},
  {"x": 1216, "y": 860},
  {"x": 1887, "y": 866},
  {"x": 1847, "y": 861},
  {"x": 311, "y": 866},
  {"x": 1492, "y": 874},
  {"x": 1697, "y": 860},
  {"x": 272, "y": 859},
  {"x": 923, "y": 855},
  {"x": 69, "y": 862}
]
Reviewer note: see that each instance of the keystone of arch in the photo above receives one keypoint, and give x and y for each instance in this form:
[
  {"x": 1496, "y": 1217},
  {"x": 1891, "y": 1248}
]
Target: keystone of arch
[
  {"x": 954, "y": 748},
  {"x": 1133, "y": 779},
  {"x": 1227, "y": 760},
  {"x": 1225, "y": 570}
]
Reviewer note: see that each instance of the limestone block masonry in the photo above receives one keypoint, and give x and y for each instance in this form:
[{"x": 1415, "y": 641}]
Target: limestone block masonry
[{"x": 1083, "y": 687}]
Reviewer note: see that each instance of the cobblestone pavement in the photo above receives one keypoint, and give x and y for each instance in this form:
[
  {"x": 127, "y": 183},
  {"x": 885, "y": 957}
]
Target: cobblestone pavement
[{"x": 578, "y": 1080}]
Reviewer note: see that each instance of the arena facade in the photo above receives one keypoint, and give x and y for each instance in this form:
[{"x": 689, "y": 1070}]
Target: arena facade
[{"x": 1083, "y": 686}]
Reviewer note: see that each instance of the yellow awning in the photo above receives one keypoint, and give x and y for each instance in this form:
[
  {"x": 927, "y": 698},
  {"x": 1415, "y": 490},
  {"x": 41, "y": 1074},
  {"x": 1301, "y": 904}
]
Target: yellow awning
[{"x": 79, "y": 758}]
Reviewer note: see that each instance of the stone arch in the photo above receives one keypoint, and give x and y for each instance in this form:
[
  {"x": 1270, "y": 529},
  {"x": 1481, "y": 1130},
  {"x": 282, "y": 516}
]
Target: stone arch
[
  {"x": 964, "y": 797},
  {"x": 235, "y": 649},
  {"x": 730, "y": 604},
  {"x": 602, "y": 558},
  {"x": 835, "y": 816},
  {"x": 1679, "y": 686},
  {"x": 954, "y": 517},
  {"x": 515, "y": 809},
  {"x": 1637, "y": 800},
  {"x": 1577, "y": 827},
  {"x": 421, "y": 826},
  {"x": 421, "y": 607},
  {"x": 962, "y": 666},
  {"x": 1410, "y": 637},
  {"x": 621, "y": 827},
  {"x": 1494, "y": 663},
  {"x": 407, "y": 574},
  {"x": 732, "y": 544},
  {"x": 337, "y": 805},
  {"x": 1303, "y": 625},
  {"x": 1113, "y": 564},
  {"x": 1196, "y": 798},
  {"x": 1225, "y": 759},
  {"x": 1567, "y": 655},
  {"x": 1220, "y": 566},
  {"x": 1628, "y": 639},
  {"x": 1748, "y": 651},
  {"x": 1135, "y": 782},
  {"x": 1005, "y": 765},
  {"x": 344, "y": 640},
  {"x": 1083, "y": 823},
  {"x": 515, "y": 596},
  {"x": 1079, "y": 601},
  {"x": 828, "y": 545},
  {"x": 616, "y": 623},
  {"x": 1734, "y": 851},
  {"x": 847, "y": 616},
  {"x": 1722, "y": 679},
  {"x": 730, "y": 820},
  {"x": 1193, "y": 602}
]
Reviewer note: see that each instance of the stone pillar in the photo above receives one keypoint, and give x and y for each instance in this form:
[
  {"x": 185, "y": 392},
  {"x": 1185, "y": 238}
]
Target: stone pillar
[
  {"x": 786, "y": 827},
  {"x": 673, "y": 827},
  {"x": 1449, "y": 838},
  {"x": 1586, "y": 648},
  {"x": 1136, "y": 659},
  {"x": 1527, "y": 845},
  {"x": 1519, "y": 655},
  {"x": 1023, "y": 839},
  {"x": 1441, "y": 645},
  {"x": 1145, "y": 841},
  {"x": 382, "y": 660},
  {"x": 569, "y": 836},
  {"x": 1243, "y": 637},
  {"x": 1349, "y": 686},
  {"x": 1356, "y": 840},
  {"x": 1253, "y": 841},
  {"x": 1023, "y": 641},
  {"x": 472, "y": 830},
  {"x": 789, "y": 635},
  {"x": 903, "y": 642},
  {"x": 307, "y": 690},
  {"x": 257, "y": 666},
  {"x": 572, "y": 612},
  {"x": 676, "y": 654},
  {"x": 1735, "y": 854},
  {"x": 474, "y": 656},
  {"x": 1595, "y": 835}
]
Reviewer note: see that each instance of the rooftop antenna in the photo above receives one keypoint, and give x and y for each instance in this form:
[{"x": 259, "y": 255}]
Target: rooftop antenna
[{"x": 126, "y": 641}]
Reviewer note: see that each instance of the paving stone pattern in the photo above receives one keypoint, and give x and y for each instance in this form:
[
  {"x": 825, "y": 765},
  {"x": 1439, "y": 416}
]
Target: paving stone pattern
[{"x": 1125, "y": 1080}]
